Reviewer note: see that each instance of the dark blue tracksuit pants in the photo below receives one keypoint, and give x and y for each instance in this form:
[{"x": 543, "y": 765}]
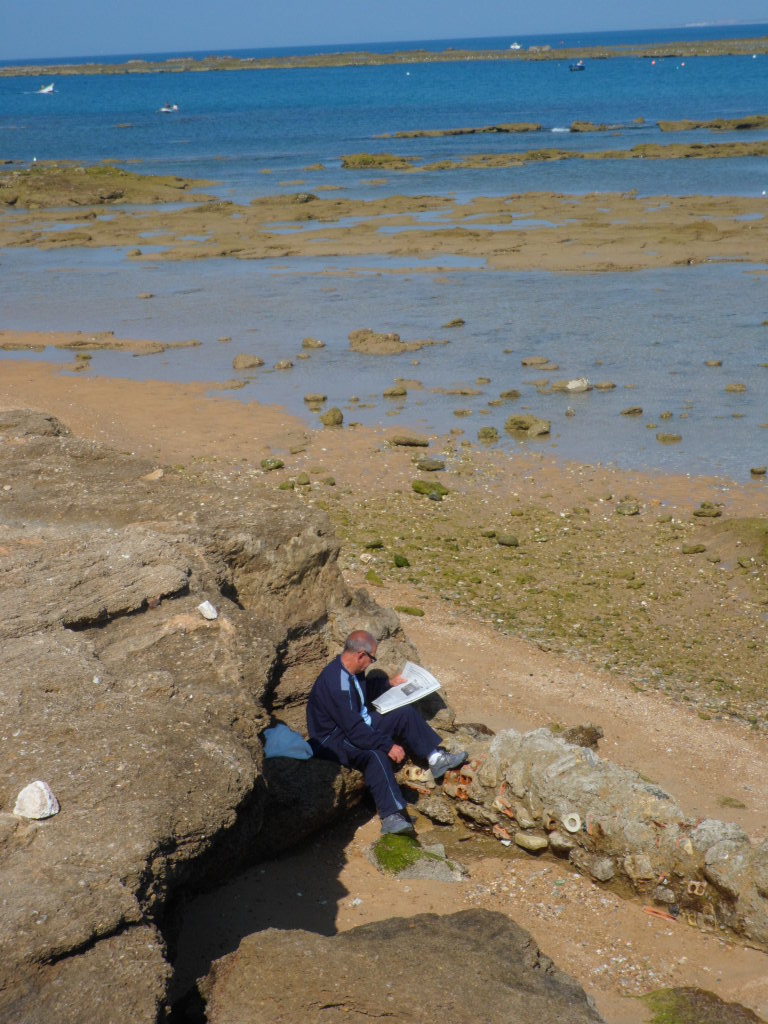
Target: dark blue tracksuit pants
[{"x": 406, "y": 726}]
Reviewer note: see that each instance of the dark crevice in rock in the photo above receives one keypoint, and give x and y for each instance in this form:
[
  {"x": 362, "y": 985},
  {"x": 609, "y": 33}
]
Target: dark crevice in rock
[
  {"x": 104, "y": 617},
  {"x": 195, "y": 939},
  {"x": 190, "y": 1009},
  {"x": 229, "y": 591},
  {"x": 91, "y": 943}
]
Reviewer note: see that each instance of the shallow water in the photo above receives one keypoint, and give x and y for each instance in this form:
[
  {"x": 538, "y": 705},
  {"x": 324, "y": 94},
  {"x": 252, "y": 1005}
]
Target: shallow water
[
  {"x": 259, "y": 132},
  {"x": 649, "y": 332}
]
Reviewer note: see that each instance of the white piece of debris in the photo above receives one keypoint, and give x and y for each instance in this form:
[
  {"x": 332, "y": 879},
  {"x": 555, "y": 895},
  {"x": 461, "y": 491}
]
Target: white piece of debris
[
  {"x": 207, "y": 610},
  {"x": 36, "y": 801},
  {"x": 571, "y": 822},
  {"x": 579, "y": 384}
]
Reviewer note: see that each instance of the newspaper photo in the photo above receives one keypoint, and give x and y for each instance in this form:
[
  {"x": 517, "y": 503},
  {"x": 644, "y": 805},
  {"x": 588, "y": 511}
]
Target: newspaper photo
[{"x": 418, "y": 683}]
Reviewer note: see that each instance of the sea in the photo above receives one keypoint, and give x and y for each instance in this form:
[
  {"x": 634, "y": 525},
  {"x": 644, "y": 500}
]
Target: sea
[{"x": 260, "y": 132}]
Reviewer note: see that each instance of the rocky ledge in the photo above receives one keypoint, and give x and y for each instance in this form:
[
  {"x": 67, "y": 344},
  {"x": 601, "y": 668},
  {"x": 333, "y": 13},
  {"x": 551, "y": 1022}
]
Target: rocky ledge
[
  {"x": 416, "y": 969},
  {"x": 140, "y": 711}
]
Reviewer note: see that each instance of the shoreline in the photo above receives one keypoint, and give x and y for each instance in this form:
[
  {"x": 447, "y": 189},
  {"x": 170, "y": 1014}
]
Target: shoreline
[{"x": 178, "y": 65}]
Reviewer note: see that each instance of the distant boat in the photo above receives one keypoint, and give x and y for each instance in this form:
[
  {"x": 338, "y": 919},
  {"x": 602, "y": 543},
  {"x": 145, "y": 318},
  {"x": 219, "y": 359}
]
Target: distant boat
[
  {"x": 515, "y": 46},
  {"x": 578, "y": 66},
  {"x": 168, "y": 108},
  {"x": 45, "y": 90}
]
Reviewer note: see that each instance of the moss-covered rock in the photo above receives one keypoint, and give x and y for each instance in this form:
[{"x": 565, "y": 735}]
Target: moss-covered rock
[
  {"x": 694, "y": 1006},
  {"x": 429, "y": 487},
  {"x": 429, "y": 465},
  {"x": 246, "y": 362},
  {"x": 333, "y": 418},
  {"x": 395, "y": 853},
  {"x": 408, "y": 609},
  {"x": 531, "y": 426},
  {"x": 507, "y": 540}
]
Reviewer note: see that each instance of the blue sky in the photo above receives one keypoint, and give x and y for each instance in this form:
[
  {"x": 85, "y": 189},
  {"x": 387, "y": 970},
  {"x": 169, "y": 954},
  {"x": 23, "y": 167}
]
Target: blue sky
[{"x": 60, "y": 28}]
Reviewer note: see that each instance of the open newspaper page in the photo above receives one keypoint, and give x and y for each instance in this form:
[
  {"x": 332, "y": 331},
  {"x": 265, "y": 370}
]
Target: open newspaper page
[{"x": 418, "y": 683}]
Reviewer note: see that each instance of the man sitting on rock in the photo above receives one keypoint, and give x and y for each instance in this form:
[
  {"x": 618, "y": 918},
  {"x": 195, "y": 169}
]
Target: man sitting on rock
[{"x": 343, "y": 728}]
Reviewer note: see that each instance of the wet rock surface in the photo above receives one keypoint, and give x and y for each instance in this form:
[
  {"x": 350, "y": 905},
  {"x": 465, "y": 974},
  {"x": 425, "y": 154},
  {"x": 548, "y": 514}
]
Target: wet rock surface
[{"x": 416, "y": 969}]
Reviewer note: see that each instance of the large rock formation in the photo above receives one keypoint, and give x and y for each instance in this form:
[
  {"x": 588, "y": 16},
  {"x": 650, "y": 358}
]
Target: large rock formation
[
  {"x": 142, "y": 715},
  {"x": 548, "y": 795},
  {"x": 465, "y": 967}
]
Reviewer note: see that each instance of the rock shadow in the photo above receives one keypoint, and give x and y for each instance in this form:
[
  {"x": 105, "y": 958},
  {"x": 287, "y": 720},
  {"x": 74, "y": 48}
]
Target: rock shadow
[{"x": 299, "y": 889}]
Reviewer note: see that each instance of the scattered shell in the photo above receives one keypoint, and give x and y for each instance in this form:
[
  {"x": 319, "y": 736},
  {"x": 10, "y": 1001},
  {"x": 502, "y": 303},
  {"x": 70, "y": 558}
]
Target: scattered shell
[
  {"x": 579, "y": 384},
  {"x": 36, "y": 801},
  {"x": 207, "y": 610},
  {"x": 571, "y": 822}
]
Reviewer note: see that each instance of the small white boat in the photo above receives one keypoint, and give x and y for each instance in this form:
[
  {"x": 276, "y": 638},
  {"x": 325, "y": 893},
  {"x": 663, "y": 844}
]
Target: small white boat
[
  {"x": 515, "y": 46},
  {"x": 168, "y": 108},
  {"x": 45, "y": 90}
]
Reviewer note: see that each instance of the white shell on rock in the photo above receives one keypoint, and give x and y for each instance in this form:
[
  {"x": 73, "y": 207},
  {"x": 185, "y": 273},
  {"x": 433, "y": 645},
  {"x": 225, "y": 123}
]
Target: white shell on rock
[
  {"x": 36, "y": 801},
  {"x": 571, "y": 822},
  {"x": 579, "y": 384},
  {"x": 207, "y": 610}
]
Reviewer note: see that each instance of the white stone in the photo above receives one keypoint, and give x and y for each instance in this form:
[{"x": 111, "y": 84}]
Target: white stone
[
  {"x": 207, "y": 610},
  {"x": 571, "y": 822},
  {"x": 36, "y": 801}
]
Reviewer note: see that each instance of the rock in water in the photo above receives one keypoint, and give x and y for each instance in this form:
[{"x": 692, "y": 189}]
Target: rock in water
[{"x": 36, "y": 801}]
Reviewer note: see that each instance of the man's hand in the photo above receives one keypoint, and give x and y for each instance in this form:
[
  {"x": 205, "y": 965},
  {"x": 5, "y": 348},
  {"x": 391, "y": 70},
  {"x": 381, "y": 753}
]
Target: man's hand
[
  {"x": 396, "y": 754},
  {"x": 397, "y": 680}
]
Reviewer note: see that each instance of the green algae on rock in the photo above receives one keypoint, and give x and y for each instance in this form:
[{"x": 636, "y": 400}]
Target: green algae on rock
[
  {"x": 333, "y": 418},
  {"x": 532, "y": 426},
  {"x": 695, "y": 1006},
  {"x": 429, "y": 487},
  {"x": 62, "y": 183},
  {"x": 408, "y": 609}
]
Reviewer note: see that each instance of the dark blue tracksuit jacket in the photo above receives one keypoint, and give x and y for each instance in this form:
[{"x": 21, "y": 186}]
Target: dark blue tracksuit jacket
[{"x": 337, "y": 731}]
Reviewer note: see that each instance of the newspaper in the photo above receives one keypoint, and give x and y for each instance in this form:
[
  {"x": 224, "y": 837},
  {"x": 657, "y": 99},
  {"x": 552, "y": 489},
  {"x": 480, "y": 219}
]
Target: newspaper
[{"x": 418, "y": 683}]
